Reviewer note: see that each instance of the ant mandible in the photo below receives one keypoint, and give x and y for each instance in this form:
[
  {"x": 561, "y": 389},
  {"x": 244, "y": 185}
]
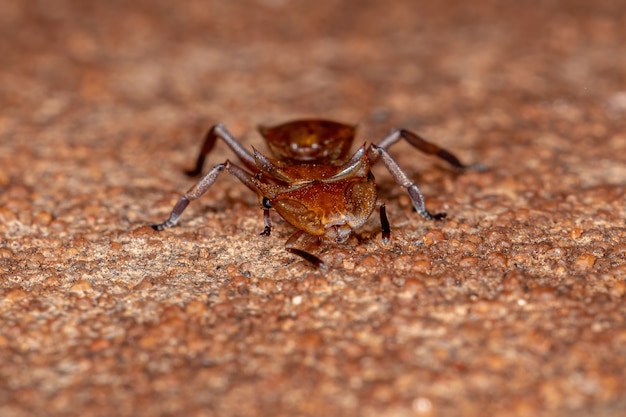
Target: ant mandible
[{"x": 311, "y": 182}]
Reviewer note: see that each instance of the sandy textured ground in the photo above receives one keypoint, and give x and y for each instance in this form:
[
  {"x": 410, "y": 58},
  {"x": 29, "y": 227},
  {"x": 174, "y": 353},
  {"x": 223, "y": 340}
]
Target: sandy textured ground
[{"x": 514, "y": 306}]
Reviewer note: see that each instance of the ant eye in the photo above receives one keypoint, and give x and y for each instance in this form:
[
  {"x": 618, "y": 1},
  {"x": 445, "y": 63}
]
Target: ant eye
[{"x": 266, "y": 202}]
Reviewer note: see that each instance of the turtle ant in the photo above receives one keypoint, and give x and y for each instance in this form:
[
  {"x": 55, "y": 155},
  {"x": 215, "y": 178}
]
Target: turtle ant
[{"x": 312, "y": 182}]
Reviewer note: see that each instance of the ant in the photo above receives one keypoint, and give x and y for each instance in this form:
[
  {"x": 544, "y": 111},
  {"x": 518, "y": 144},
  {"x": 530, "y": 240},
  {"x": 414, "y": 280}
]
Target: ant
[{"x": 312, "y": 182}]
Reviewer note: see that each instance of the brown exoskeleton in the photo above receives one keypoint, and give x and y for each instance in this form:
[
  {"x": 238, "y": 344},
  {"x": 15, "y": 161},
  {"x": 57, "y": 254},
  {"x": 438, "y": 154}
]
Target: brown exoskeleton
[{"x": 312, "y": 182}]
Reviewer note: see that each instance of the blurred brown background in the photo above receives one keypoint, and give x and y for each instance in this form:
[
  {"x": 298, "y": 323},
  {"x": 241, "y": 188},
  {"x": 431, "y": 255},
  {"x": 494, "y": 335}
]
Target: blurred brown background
[{"x": 511, "y": 307}]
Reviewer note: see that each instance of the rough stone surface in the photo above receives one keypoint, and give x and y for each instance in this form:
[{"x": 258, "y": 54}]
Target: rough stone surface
[{"x": 513, "y": 306}]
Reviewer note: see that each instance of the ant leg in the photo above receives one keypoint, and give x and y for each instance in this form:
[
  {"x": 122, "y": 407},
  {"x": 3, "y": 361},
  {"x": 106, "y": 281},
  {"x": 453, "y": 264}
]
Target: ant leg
[
  {"x": 289, "y": 247},
  {"x": 384, "y": 224},
  {"x": 267, "y": 221},
  {"x": 220, "y": 131},
  {"x": 417, "y": 198},
  {"x": 194, "y": 192},
  {"x": 201, "y": 187},
  {"x": 426, "y": 147}
]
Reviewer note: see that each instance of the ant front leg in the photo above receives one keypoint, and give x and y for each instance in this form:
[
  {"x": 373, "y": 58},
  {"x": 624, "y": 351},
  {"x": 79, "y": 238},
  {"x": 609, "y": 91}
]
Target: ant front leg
[
  {"x": 384, "y": 224},
  {"x": 267, "y": 221},
  {"x": 417, "y": 198},
  {"x": 202, "y": 187},
  {"x": 429, "y": 148}
]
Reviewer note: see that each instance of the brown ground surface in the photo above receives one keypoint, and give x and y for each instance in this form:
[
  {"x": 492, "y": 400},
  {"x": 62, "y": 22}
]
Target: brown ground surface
[{"x": 514, "y": 306}]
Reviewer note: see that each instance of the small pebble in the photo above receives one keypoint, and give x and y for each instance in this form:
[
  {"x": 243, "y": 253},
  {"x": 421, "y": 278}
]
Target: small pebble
[
  {"x": 497, "y": 260},
  {"x": 575, "y": 233},
  {"x": 468, "y": 261},
  {"x": 196, "y": 308},
  {"x": 81, "y": 286},
  {"x": 142, "y": 231},
  {"x": 433, "y": 236},
  {"x": 585, "y": 261},
  {"x": 15, "y": 294}
]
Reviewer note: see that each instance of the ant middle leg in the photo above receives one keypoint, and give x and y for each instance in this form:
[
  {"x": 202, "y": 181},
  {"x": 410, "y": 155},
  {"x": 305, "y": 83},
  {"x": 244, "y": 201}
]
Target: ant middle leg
[{"x": 417, "y": 198}]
